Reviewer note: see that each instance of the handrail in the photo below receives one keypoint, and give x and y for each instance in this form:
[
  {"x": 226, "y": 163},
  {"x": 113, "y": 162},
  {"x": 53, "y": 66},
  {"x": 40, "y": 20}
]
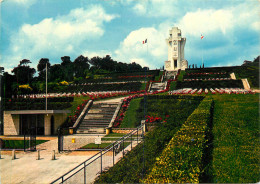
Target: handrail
[
  {"x": 116, "y": 113},
  {"x": 82, "y": 114},
  {"x": 106, "y": 149}
]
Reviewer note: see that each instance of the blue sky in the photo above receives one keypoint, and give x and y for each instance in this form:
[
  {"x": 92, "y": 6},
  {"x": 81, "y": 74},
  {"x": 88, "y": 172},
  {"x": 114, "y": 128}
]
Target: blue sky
[{"x": 35, "y": 29}]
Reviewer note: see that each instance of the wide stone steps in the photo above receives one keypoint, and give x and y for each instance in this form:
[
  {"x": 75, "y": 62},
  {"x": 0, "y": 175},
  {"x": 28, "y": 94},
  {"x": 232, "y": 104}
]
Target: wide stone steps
[
  {"x": 98, "y": 118},
  {"x": 157, "y": 86}
]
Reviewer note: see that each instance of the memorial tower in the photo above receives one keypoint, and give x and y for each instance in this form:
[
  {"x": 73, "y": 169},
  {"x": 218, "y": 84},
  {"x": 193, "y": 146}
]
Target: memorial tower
[{"x": 176, "y": 45}]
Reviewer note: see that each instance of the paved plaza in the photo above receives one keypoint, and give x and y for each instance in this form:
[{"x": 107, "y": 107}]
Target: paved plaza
[{"x": 27, "y": 169}]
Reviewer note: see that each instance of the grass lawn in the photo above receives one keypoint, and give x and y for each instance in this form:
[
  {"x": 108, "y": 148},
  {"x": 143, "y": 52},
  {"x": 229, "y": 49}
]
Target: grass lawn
[
  {"x": 19, "y": 144},
  {"x": 158, "y": 76},
  {"x": 143, "y": 86},
  {"x": 130, "y": 120},
  {"x": 236, "y": 147},
  {"x": 112, "y": 137},
  {"x": 180, "y": 77},
  {"x": 77, "y": 101},
  {"x": 100, "y": 146}
]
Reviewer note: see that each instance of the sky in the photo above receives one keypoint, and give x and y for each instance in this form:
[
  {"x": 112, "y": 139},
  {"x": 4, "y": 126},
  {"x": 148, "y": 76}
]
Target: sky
[{"x": 35, "y": 29}]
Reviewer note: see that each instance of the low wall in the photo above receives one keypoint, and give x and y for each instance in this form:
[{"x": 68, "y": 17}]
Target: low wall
[
  {"x": 122, "y": 130},
  {"x": 80, "y": 141}
]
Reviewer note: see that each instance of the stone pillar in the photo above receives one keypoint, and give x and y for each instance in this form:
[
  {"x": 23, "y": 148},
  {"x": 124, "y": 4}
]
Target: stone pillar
[{"x": 47, "y": 124}]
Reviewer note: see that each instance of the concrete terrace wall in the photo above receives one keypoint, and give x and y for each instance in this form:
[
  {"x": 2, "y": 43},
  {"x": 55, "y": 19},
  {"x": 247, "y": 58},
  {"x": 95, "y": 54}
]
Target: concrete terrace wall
[{"x": 11, "y": 124}]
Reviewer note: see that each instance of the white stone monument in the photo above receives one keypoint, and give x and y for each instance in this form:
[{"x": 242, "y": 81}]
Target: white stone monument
[{"x": 176, "y": 45}]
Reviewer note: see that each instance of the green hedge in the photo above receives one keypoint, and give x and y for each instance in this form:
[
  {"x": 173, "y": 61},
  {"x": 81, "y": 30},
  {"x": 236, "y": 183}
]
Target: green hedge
[
  {"x": 181, "y": 160},
  {"x": 210, "y": 84},
  {"x": 129, "y": 86}
]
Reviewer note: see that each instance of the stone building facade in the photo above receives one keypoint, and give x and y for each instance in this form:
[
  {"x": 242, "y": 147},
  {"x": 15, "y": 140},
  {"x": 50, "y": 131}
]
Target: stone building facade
[{"x": 45, "y": 122}]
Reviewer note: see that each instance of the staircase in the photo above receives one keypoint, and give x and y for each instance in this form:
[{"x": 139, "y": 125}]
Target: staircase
[
  {"x": 98, "y": 118},
  {"x": 245, "y": 84},
  {"x": 156, "y": 86}
]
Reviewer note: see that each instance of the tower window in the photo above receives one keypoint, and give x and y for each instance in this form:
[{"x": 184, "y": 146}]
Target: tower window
[{"x": 175, "y": 63}]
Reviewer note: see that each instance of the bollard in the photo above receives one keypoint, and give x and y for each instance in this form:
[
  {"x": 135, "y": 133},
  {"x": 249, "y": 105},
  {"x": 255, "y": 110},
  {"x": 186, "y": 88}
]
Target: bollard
[
  {"x": 13, "y": 155},
  {"x": 53, "y": 155},
  {"x": 38, "y": 155}
]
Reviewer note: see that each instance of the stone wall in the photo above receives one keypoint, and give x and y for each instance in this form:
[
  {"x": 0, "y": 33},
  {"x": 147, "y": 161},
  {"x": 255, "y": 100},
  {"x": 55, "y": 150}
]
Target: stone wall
[
  {"x": 80, "y": 141},
  {"x": 11, "y": 124},
  {"x": 58, "y": 120},
  {"x": 121, "y": 131}
]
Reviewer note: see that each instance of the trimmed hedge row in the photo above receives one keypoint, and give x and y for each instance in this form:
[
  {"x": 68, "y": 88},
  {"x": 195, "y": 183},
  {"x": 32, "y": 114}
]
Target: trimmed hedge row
[
  {"x": 210, "y": 84},
  {"x": 131, "y": 86},
  {"x": 181, "y": 160},
  {"x": 212, "y": 69},
  {"x": 204, "y": 76}
]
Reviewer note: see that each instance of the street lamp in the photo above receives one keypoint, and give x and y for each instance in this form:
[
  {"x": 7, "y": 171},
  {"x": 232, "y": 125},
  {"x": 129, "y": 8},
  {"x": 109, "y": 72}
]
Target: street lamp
[{"x": 1, "y": 101}]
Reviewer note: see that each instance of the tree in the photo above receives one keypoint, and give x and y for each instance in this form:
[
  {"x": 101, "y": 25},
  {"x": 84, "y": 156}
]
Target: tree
[
  {"x": 67, "y": 68},
  {"x": 134, "y": 67},
  {"x": 81, "y": 66},
  {"x": 23, "y": 72},
  {"x": 41, "y": 67}
]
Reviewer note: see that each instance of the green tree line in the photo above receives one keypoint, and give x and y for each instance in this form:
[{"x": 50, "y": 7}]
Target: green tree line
[{"x": 79, "y": 69}]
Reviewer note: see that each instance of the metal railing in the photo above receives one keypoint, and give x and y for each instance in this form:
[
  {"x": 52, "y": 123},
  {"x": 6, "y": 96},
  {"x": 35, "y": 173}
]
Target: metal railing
[{"x": 87, "y": 171}]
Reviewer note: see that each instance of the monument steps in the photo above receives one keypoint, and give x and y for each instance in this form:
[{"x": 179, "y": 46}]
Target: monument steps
[
  {"x": 157, "y": 86},
  {"x": 98, "y": 118}
]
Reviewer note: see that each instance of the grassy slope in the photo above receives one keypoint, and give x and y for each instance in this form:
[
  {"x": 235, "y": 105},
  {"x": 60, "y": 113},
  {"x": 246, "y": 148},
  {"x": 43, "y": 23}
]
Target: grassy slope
[
  {"x": 236, "y": 148},
  {"x": 77, "y": 101},
  {"x": 130, "y": 116},
  {"x": 158, "y": 76},
  {"x": 180, "y": 78}
]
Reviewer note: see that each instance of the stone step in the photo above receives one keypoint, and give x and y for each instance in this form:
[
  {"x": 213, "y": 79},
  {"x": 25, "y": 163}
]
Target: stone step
[
  {"x": 105, "y": 105},
  {"x": 93, "y": 126},
  {"x": 91, "y": 131},
  {"x": 101, "y": 111},
  {"x": 98, "y": 116},
  {"x": 96, "y": 120}
]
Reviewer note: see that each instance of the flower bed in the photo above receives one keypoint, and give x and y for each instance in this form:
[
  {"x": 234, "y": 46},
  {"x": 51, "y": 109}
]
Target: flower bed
[
  {"x": 206, "y": 91},
  {"x": 181, "y": 160}
]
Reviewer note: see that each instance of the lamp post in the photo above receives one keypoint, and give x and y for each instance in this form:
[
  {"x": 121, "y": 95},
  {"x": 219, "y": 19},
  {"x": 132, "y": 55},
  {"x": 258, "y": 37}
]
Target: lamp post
[
  {"x": 46, "y": 103},
  {"x": 1, "y": 100}
]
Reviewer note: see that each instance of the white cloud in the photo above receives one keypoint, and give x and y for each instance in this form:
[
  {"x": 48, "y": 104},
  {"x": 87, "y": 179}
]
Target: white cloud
[
  {"x": 156, "y": 8},
  {"x": 152, "y": 54},
  {"x": 62, "y": 35},
  {"x": 101, "y": 53},
  {"x": 206, "y": 21}
]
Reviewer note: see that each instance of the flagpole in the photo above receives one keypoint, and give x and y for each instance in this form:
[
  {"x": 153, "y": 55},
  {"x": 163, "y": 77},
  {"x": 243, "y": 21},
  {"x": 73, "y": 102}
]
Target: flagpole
[{"x": 202, "y": 49}]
